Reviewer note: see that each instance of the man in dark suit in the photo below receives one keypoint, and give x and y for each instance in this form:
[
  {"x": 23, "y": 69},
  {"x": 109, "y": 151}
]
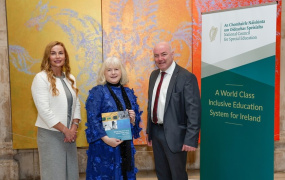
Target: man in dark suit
[{"x": 174, "y": 114}]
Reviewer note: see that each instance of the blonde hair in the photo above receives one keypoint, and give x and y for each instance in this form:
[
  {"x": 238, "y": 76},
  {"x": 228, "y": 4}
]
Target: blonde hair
[
  {"x": 46, "y": 66},
  {"x": 112, "y": 61}
]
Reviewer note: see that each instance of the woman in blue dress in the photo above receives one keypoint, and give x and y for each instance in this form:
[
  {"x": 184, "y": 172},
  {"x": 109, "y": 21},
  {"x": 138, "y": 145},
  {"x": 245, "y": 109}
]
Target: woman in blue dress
[{"x": 110, "y": 158}]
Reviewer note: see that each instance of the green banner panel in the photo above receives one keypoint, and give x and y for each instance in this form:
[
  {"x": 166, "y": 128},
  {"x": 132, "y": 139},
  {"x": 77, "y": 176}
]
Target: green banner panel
[{"x": 237, "y": 133}]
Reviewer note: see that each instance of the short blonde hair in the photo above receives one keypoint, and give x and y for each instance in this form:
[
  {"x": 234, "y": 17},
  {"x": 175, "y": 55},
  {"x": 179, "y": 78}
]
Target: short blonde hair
[{"x": 115, "y": 62}]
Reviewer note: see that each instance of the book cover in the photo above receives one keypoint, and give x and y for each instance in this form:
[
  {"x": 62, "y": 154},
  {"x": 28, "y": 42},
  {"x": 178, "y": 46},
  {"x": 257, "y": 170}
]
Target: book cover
[{"x": 117, "y": 125}]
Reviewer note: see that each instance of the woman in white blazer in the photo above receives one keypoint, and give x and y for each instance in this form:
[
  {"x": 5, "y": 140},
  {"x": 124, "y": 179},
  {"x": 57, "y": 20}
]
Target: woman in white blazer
[{"x": 56, "y": 98}]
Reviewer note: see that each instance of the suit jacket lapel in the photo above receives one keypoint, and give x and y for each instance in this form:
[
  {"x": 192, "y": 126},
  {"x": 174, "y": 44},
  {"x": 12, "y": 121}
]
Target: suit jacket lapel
[
  {"x": 171, "y": 86},
  {"x": 152, "y": 83}
]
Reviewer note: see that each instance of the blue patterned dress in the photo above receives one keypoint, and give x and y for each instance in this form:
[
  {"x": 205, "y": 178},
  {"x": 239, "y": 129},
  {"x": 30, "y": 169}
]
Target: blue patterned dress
[{"x": 104, "y": 161}]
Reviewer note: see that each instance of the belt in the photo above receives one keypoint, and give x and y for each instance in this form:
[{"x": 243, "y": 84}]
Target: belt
[{"x": 160, "y": 125}]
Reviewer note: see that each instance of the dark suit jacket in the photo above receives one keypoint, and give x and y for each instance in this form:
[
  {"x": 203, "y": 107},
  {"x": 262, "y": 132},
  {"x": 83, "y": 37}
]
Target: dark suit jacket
[{"x": 182, "y": 116}]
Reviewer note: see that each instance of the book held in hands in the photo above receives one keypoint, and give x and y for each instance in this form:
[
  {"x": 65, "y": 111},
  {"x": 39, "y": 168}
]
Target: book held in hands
[{"x": 117, "y": 125}]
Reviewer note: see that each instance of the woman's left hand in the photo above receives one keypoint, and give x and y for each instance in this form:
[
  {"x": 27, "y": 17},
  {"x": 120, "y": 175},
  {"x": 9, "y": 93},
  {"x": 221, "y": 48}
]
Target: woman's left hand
[
  {"x": 74, "y": 130},
  {"x": 132, "y": 115}
]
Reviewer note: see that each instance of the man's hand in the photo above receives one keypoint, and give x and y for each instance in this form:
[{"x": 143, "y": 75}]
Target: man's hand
[
  {"x": 188, "y": 148},
  {"x": 149, "y": 143}
]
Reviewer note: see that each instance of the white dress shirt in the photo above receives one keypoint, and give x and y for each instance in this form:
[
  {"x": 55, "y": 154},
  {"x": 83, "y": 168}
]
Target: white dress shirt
[{"x": 162, "y": 94}]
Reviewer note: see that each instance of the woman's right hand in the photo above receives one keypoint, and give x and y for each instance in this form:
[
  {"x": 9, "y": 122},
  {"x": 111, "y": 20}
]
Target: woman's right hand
[
  {"x": 113, "y": 142},
  {"x": 69, "y": 135}
]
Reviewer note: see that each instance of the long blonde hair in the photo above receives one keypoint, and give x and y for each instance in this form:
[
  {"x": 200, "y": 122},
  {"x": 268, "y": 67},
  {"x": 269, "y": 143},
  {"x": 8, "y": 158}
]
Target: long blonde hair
[{"x": 46, "y": 66}]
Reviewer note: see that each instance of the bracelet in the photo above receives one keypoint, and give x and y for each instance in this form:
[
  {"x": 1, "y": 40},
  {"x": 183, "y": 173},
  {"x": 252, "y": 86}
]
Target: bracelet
[{"x": 77, "y": 124}]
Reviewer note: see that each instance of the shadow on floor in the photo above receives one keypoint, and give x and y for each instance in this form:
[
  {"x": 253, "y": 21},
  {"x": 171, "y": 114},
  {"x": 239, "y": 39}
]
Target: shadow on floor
[{"x": 192, "y": 175}]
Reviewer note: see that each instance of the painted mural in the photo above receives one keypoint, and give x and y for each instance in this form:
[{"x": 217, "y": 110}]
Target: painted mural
[
  {"x": 129, "y": 30},
  {"x": 31, "y": 26}
]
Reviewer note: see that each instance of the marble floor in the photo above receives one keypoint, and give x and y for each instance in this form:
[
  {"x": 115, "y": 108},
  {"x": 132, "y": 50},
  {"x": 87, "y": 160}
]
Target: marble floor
[{"x": 193, "y": 175}]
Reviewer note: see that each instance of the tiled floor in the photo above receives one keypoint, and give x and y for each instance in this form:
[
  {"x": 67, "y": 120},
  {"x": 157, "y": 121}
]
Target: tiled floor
[{"x": 193, "y": 175}]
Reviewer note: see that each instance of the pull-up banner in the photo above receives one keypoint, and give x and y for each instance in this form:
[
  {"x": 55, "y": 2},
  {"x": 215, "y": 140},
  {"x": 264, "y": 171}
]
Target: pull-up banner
[{"x": 238, "y": 78}]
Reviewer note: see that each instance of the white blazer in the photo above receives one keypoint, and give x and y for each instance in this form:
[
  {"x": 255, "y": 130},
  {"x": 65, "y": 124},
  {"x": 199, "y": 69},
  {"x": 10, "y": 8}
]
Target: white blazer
[{"x": 53, "y": 109}]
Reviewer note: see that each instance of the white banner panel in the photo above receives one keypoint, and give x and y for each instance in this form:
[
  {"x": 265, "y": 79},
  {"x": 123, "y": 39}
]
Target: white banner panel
[{"x": 244, "y": 29}]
